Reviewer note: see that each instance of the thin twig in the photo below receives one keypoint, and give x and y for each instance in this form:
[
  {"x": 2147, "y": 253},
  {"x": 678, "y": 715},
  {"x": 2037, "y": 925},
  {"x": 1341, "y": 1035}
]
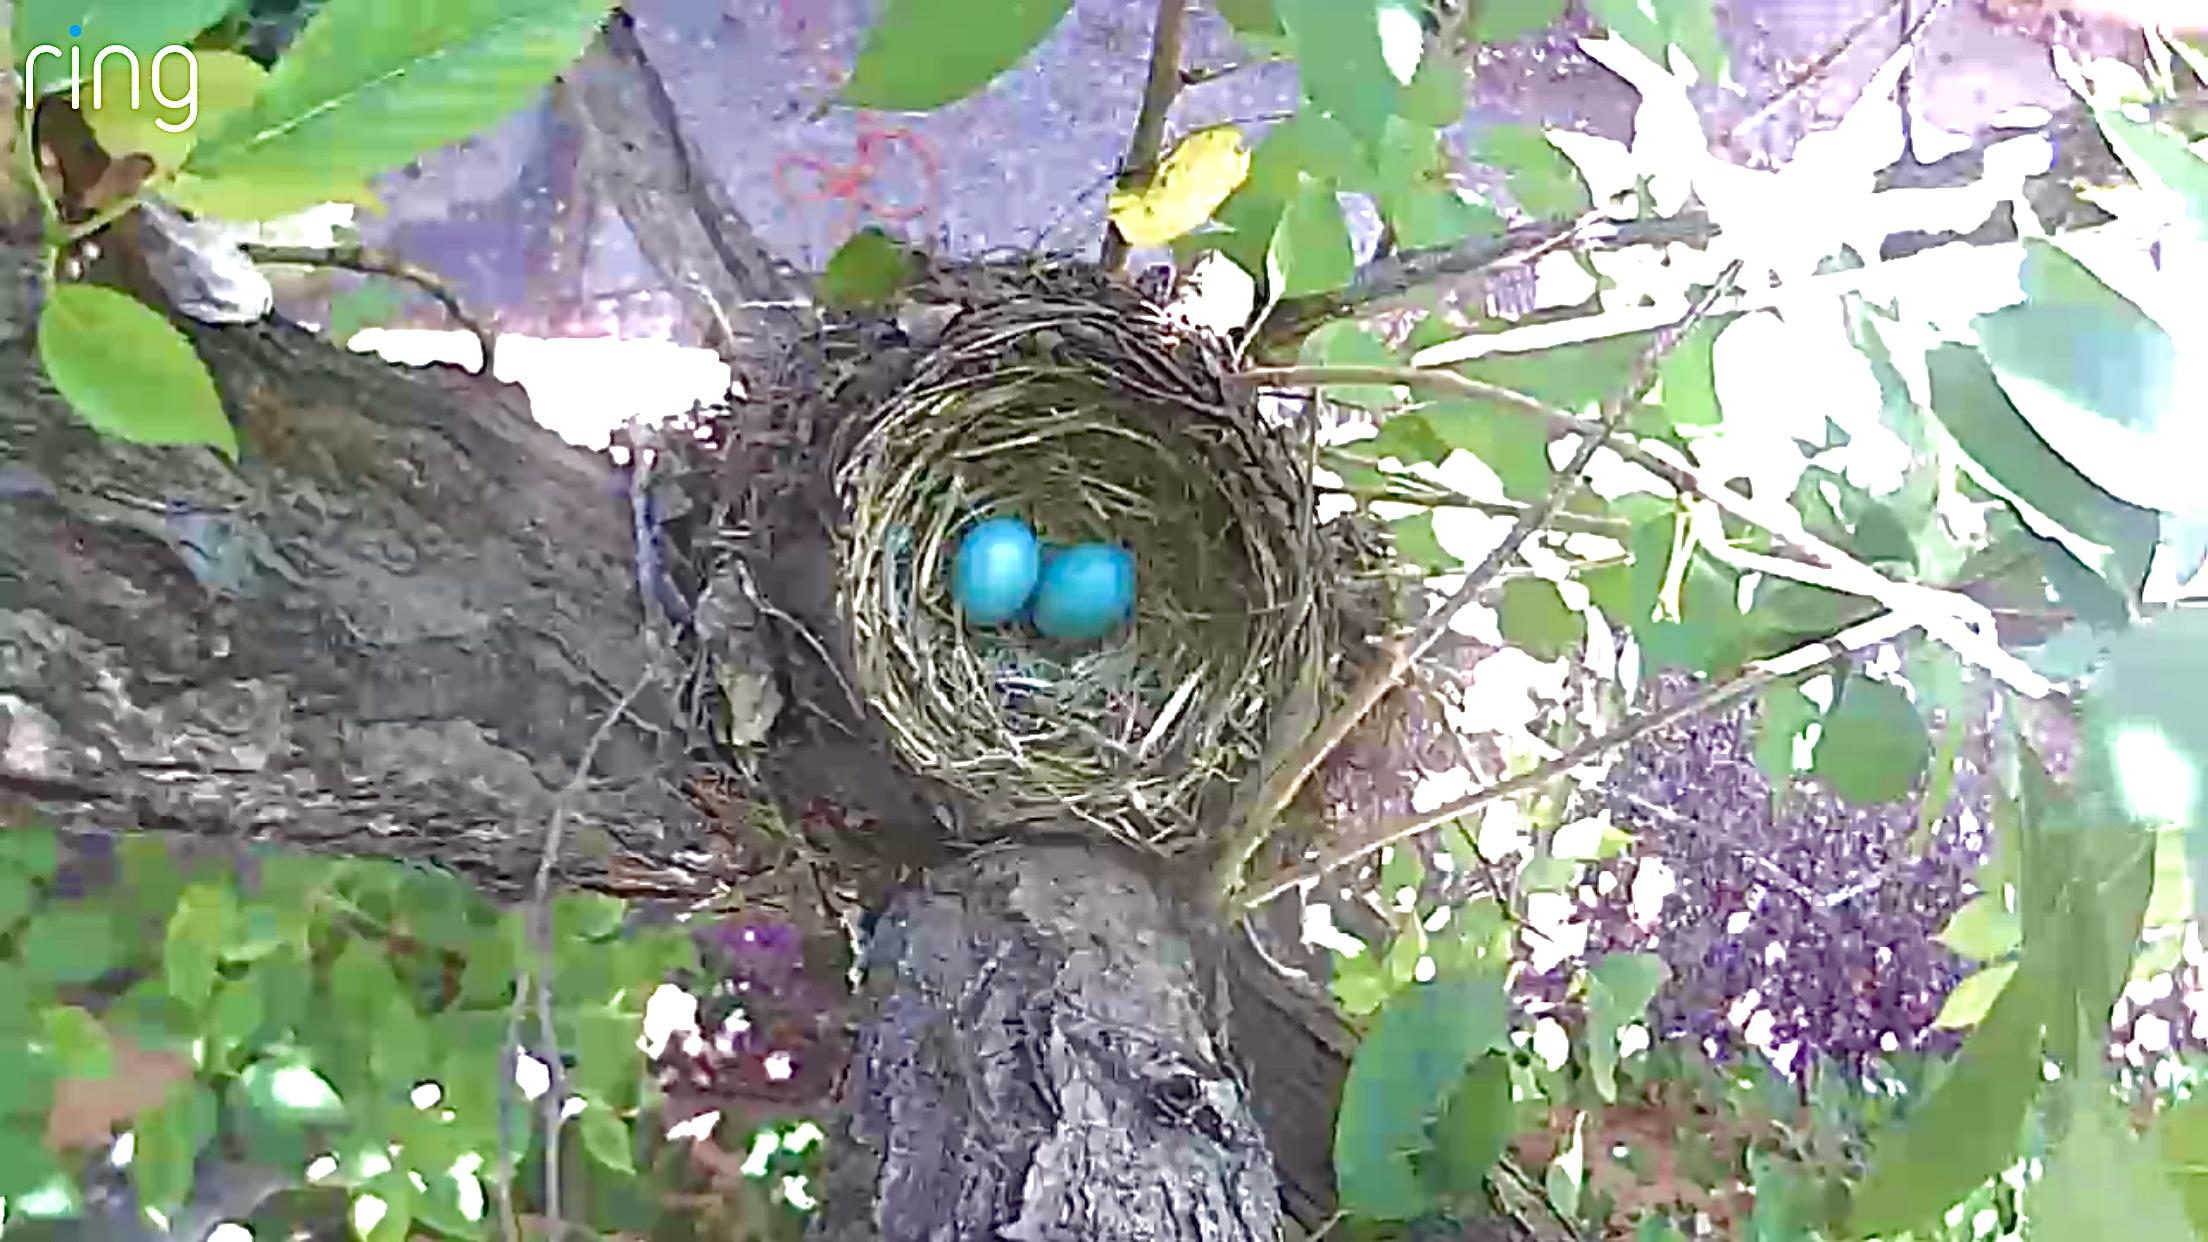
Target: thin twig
[
  {"x": 1883, "y": 628},
  {"x": 1957, "y": 621},
  {"x": 535, "y": 973},
  {"x": 1157, "y": 100},
  {"x": 1285, "y": 778},
  {"x": 1438, "y": 497},
  {"x": 1400, "y": 274},
  {"x": 369, "y": 262}
]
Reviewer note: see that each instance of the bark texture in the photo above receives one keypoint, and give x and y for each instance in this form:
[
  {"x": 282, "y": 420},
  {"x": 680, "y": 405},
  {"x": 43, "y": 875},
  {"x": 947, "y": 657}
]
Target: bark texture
[
  {"x": 387, "y": 632},
  {"x": 1042, "y": 1066}
]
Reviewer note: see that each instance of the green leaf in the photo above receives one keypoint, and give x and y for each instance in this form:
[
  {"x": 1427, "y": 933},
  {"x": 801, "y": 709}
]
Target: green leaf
[
  {"x": 69, "y": 943},
  {"x": 2097, "y": 379},
  {"x": 79, "y": 1043},
  {"x": 128, "y": 372},
  {"x": 606, "y": 1138},
  {"x": 2117, "y": 538},
  {"x": 1342, "y": 58},
  {"x": 1251, "y": 17},
  {"x": 1654, "y": 26},
  {"x": 1983, "y": 929},
  {"x": 1541, "y": 181},
  {"x": 372, "y": 84},
  {"x": 1536, "y": 619},
  {"x": 193, "y": 949},
  {"x": 1424, "y": 217},
  {"x": 32, "y": 851},
  {"x": 1687, "y": 378},
  {"x": 2160, "y": 158},
  {"x": 396, "y": 1192},
  {"x": 1472, "y": 1131},
  {"x": 1435, "y": 95},
  {"x": 143, "y": 26},
  {"x": 1783, "y": 717},
  {"x": 28, "y": 1168},
  {"x": 1874, "y": 743},
  {"x": 1515, "y": 447},
  {"x": 922, "y": 54},
  {"x": 1972, "y": 996},
  {"x": 1967, "y": 1128},
  {"x": 1404, "y": 1076},
  {"x": 2148, "y": 721},
  {"x": 168, "y": 1140},
  {"x": 1567, "y": 1173},
  {"x": 1619, "y": 989},
  {"x": 2170, "y": 901},
  {"x": 869, "y": 269},
  {"x": 2181, "y": 1135},
  {"x": 288, "y": 1089},
  {"x": 17, "y": 896},
  {"x": 236, "y": 1014},
  {"x": 1415, "y": 544},
  {"x": 1344, "y": 344},
  {"x": 1501, "y": 21},
  {"x": 214, "y": 84},
  {"x": 2101, "y": 1183},
  {"x": 1310, "y": 251}
]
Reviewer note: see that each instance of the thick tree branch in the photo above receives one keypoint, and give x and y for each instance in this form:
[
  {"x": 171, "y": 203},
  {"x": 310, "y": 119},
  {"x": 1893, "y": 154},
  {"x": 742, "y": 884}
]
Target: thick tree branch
[
  {"x": 1158, "y": 94},
  {"x": 386, "y": 632}
]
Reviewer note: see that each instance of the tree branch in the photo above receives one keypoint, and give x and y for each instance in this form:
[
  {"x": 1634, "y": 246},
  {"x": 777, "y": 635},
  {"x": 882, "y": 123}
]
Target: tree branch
[
  {"x": 1157, "y": 100},
  {"x": 1284, "y": 778},
  {"x": 1802, "y": 659},
  {"x": 370, "y": 262},
  {"x": 660, "y": 181},
  {"x": 1401, "y": 274}
]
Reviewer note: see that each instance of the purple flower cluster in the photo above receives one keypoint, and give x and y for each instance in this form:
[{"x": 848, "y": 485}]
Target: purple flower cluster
[{"x": 1804, "y": 928}]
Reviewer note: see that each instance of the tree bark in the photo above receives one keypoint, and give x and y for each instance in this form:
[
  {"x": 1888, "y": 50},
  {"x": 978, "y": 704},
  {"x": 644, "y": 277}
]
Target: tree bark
[
  {"x": 388, "y": 632},
  {"x": 1043, "y": 1064}
]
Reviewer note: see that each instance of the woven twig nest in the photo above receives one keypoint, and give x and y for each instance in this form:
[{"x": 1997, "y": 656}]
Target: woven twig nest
[{"x": 1064, "y": 398}]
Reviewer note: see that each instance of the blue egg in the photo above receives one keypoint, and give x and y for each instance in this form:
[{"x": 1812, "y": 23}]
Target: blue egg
[
  {"x": 995, "y": 570},
  {"x": 1086, "y": 592}
]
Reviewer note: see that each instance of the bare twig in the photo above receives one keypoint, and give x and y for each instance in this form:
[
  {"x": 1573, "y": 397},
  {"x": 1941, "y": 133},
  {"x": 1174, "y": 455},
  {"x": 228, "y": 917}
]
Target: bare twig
[
  {"x": 535, "y": 974},
  {"x": 1398, "y": 275},
  {"x": 371, "y": 262},
  {"x": 1157, "y": 100},
  {"x": 1870, "y": 633},
  {"x": 1284, "y": 778}
]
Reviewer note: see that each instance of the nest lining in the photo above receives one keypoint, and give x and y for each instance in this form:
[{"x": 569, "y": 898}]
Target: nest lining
[{"x": 1081, "y": 408}]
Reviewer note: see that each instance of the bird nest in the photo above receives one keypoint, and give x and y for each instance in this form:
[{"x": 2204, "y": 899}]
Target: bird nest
[{"x": 1065, "y": 398}]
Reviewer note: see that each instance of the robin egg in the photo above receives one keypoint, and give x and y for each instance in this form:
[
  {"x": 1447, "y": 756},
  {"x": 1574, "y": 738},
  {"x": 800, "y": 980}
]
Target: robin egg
[
  {"x": 1086, "y": 592},
  {"x": 995, "y": 570}
]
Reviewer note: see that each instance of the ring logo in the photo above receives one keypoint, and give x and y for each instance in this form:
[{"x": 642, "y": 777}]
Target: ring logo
[{"x": 187, "y": 101}]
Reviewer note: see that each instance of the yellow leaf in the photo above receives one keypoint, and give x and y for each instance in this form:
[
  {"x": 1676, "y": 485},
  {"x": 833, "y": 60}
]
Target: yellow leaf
[
  {"x": 1191, "y": 182},
  {"x": 130, "y": 108}
]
